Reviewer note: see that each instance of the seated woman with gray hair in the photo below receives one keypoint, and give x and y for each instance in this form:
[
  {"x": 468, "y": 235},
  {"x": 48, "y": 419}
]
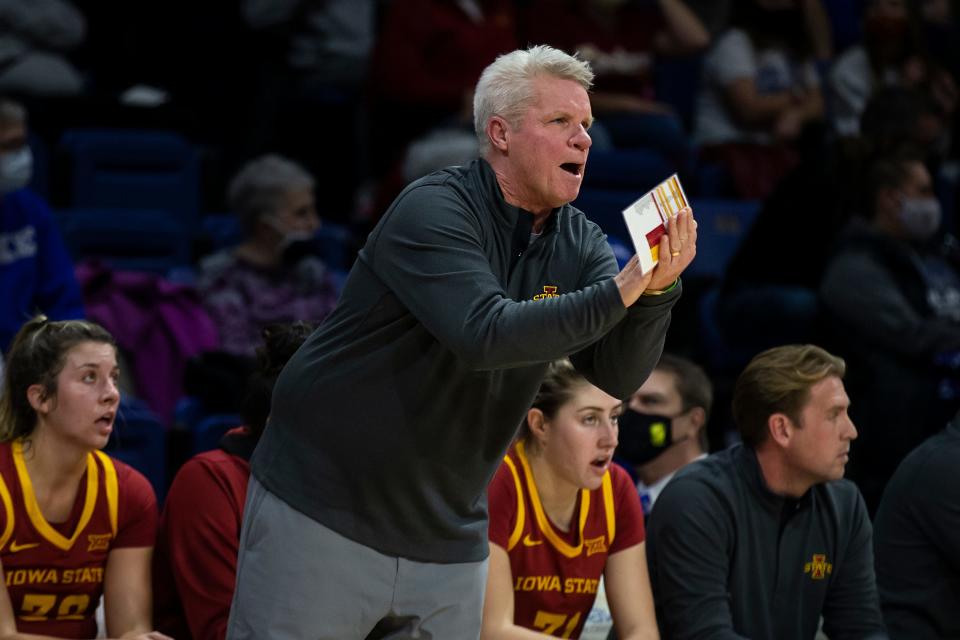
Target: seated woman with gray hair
[{"x": 274, "y": 275}]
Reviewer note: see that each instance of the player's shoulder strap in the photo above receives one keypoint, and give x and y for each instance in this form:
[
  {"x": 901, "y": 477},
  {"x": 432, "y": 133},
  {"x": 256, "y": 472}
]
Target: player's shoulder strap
[
  {"x": 6, "y": 504},
  {"x": 608, "y": 507},
  {"x": 111, "y": 487},
  {"x": 521, "y": 511}
]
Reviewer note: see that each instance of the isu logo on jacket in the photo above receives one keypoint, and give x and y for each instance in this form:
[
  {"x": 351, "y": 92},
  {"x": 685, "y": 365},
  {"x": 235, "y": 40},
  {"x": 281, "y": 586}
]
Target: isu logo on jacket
[{"x": 556, "y": 573}]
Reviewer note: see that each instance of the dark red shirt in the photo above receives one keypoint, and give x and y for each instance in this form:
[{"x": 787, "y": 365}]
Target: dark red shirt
[{"x": 195, "y": 563}]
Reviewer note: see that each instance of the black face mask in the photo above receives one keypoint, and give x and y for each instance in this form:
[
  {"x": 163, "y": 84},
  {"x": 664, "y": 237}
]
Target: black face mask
[{"x": 643, "y": 436}]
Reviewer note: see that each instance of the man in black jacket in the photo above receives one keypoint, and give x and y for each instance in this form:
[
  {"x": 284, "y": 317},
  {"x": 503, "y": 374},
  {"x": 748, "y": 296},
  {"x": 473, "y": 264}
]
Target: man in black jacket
[
  {"x": 367, "y": 500},
  {"x": 891, "y": 301},
  {"x": 916, "y": 541},
  {"x": 765, "y": 538}
]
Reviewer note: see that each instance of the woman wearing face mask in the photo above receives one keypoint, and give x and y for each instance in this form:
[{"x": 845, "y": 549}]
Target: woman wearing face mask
[
  {"x": 562, "y": 516},
  {"x": 274, "y": 275},
  {"x": 74, "y": 523},
  {"x": 891, "y": 301}
]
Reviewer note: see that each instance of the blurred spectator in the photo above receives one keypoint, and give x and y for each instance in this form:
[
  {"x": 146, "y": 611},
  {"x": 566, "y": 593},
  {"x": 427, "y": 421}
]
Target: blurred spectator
[
  {"x": 622, "y": 39},
  {"x": 274, "y": 275},
  {"x": 760, "y": 89},
  {"x": 34, "y": 36},
  {"x": 36, "y": 272},
  {"x": 328, "y": 42},
  {"x": 766, "y": 299},
  {"x": 427, "y": 61},
  {"x": 311, "y": 68},
  {"x": 893, "y": 54},
  {"x": 891, "y": 296},
  {"x": 196, "y": 557},
  {"x": 765, "y": 539},
  {"x": 917, "y": 547},
  {"x": 715, "y": 15}
]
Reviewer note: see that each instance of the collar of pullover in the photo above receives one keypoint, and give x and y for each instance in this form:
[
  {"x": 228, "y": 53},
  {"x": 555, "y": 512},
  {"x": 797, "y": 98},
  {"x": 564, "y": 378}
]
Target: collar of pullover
[
  {"x": 504, "y": 212},
  {"x": 753, "y": 474}
]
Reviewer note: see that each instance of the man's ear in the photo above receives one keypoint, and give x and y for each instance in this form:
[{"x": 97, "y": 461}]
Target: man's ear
[
  {"x": 698, "y": 417},
  {"x": 780, "y": 428},
  {"x": 37, "y": 397},
  {"x": 498, "y": 131}
]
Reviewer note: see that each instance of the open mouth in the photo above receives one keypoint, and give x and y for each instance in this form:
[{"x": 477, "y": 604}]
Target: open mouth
[
  {"x": 573, "y": 168},
  {"x": 601, "y": 462},
  {"x": 106, "y": 420}
]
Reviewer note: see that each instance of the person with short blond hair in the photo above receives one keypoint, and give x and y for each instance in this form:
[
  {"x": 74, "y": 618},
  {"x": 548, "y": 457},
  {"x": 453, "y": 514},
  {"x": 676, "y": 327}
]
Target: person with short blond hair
[
  {"x": 367, "y": 501},
  {"x": 764, "y": 539}
]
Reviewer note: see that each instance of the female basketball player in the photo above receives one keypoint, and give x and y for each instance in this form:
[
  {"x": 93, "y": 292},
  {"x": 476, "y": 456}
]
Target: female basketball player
[
  {"x": 561, "y": 516},
  {"x": 74, "y": 523}
]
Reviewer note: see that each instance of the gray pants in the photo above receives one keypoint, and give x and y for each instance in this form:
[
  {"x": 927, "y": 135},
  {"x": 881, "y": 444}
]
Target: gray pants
[{"x": 298, "y": 580}]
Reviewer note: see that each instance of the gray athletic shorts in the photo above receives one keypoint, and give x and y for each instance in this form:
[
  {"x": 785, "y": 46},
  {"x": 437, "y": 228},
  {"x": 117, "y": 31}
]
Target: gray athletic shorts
[{"x": 299, "y": 580}]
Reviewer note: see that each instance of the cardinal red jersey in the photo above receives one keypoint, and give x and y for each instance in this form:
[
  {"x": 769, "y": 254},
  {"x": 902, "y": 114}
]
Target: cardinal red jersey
[
  {"x": 54, "y": 572},
  {"x": 555, "y": 573}
]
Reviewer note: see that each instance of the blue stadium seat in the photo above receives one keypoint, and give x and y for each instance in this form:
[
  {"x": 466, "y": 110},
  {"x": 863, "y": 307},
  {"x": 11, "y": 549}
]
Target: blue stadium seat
[
  {"x": 128, "y": 239},
  {"x": 605, "y": 207},
  {"x": 140, "y": 440},
  {"x": 207, "y": 433},
  {"x": 721, "y": 227},
  {"x": 134, "y": 169}
]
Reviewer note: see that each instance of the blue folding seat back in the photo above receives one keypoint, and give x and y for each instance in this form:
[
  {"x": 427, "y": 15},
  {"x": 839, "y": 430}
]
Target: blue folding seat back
[
  {"x": 128, "y": 239},
  {"x": 721, "y": 227},
  {"x": 132, "y": 169},
  {"x": 140, "y": 440}
]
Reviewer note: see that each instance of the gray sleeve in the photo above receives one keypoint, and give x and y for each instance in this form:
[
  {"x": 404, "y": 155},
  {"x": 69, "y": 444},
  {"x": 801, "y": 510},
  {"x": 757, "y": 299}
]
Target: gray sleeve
[
  {"x": 56, "y": 24},
  {"x": 852, "y": 607},
  {"x": 689, "y": 545},
  {"x": 864, "y": 295},
  {"x": 429, "y": 253},
  {"x": 621, "y": 360}
]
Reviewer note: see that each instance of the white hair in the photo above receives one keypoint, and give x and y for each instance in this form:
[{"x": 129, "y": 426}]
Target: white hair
[
  {"x": 505, "y": 87},
  {"x": 262, "y": 186}
]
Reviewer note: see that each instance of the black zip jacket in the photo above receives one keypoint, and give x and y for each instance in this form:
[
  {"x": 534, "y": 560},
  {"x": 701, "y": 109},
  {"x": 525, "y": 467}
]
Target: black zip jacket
[
  {"x": 730, "y": 559},
  {"x": 388, "y": 423}
]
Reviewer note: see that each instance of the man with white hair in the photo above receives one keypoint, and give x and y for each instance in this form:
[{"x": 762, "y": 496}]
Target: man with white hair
[{"x": 367, "y": 502}]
